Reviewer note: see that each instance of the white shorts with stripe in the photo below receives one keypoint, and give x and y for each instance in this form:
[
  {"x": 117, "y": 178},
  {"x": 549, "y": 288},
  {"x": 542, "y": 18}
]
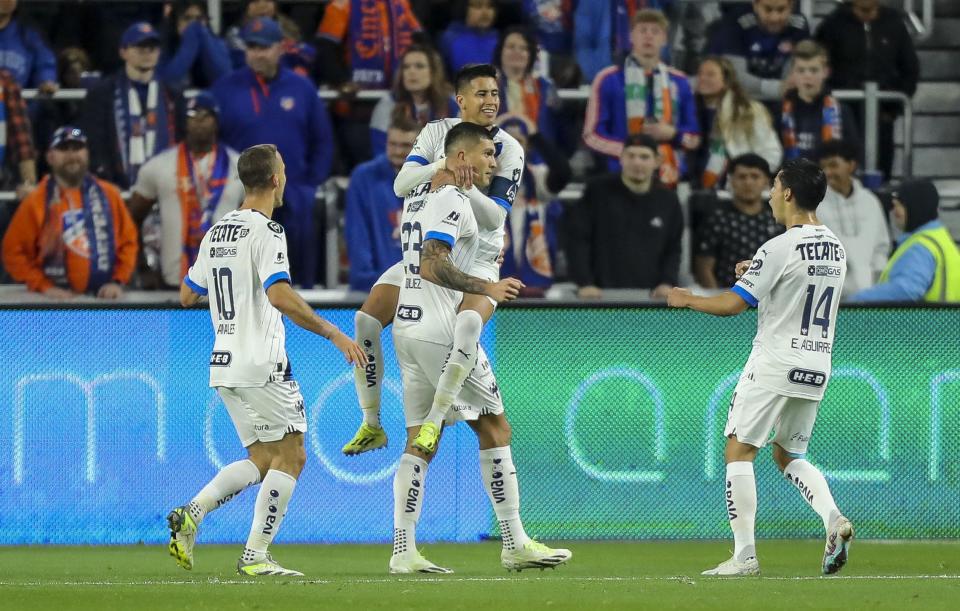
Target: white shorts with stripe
[
  {"x": 265, "y": 413},
  {"x": 756, "y": 412}
]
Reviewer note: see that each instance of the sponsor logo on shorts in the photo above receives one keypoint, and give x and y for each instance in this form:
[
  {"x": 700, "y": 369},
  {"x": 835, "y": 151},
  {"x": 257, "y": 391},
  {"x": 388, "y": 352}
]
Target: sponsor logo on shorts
[
  {"x": 409, "y": 313},
  {"x": 800, "y": 437},
  {"x": 220, "y": 358},
  {"x": 261, "y": 427},
  {"x": 807, "y": 377}
]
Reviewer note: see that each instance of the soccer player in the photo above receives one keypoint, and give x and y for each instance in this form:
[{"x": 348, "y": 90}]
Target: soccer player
[
  {"x": 441, "y": 238},
  {"x": 796, "y": 279},
  {"x": 243, "y": 263},
  {"x": 478, "y": 95}
]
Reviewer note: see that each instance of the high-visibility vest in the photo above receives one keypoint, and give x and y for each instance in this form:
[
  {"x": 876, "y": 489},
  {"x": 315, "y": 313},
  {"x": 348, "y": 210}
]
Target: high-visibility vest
[{"x": 946, "y": 278}]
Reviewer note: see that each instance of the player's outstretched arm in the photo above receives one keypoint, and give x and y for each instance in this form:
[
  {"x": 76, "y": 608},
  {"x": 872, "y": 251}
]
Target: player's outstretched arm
[
  {"x": 291, "y": 304},
  {"x": 727, "y": 303},
  {"x": 435, "y": 267}
]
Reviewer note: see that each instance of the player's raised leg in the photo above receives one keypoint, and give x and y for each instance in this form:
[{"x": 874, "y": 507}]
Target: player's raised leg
[{"x": 740, "y": 496}]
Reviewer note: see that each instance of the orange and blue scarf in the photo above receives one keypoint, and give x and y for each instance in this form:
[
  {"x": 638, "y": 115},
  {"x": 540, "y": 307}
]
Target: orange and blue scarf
[
  {"x": 197, "y": 209},
  {"x": 830, "y": 125}
]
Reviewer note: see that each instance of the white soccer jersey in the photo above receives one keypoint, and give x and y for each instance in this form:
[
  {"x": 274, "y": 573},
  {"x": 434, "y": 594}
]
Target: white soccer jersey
[
  {"x": 240, "y": 257},
  {"x": 503, "y": 189},
  {"x": 426, "y": 311},
  {"x": 797, "y": 278}
]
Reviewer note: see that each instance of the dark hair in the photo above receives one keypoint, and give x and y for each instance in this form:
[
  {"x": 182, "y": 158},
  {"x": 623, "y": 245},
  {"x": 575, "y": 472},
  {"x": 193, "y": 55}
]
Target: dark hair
[
  {"x": 532, "y": 47},
  {"x": 472, "y": 71},
  {"x": 642, "y": 140},
  {"x": 256, "y": 166},
  {"x": 750, "y": 160},
  {"x": 464, "y": 132},
  {"x": 806, "y": 181},
  {"x": 844, "y": 149},
  {"x": 404, "y": 123},
  {"x": 439, "y": 91}
]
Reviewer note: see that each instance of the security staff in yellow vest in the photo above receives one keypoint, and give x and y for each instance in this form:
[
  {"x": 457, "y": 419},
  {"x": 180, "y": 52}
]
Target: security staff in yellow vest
[{"x": 926, "y": 264}]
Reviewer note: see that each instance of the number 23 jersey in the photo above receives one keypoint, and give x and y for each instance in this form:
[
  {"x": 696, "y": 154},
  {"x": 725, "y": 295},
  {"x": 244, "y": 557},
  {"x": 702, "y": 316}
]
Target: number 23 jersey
[
  {"x": 796, "y": 278},
  {"x": 240, "y": 257}
]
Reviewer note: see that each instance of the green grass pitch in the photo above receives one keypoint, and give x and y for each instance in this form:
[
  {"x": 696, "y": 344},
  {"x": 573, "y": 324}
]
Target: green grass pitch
[{"x": 602, "y": 575}]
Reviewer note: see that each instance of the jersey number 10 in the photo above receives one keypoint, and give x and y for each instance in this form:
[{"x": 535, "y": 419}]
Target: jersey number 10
[
  {"x": 223, "y": 291},
  {"x": 820, "y": 314}
]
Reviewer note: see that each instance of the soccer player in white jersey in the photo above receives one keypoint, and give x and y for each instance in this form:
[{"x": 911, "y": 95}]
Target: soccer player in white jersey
[
  {"x": 441, "y": 239},
  {"x": 796, "y": 279},
  {"x": 479, "y": 99},
  {"x": 244, "y": 267}
]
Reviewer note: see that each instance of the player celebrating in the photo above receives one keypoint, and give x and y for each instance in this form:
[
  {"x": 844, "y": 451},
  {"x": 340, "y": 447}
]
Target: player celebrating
[
  {"x": 796, "y": 279},
  {"x": 479, "y": 99},
  {"x": 441, "y": 238},
  {"x": 243, "y": 262}
]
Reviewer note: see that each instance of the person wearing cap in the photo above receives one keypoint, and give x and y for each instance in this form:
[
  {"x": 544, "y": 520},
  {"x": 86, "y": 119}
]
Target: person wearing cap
[
  {"x": 194, "y": 184},
  {"x": 130, "y": 116},
  {"x": 926, "y": 264},
  {"x": 265, "y": 103},
  {"x": 626, "y": 231},
  {"x": 73, "y": 233},
  {"x": 191, "y": 55},
  {"x": 23, "y": 52}
]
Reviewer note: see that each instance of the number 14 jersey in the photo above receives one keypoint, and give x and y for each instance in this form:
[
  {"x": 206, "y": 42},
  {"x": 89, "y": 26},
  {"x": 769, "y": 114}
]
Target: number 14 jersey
[
  {"x": 796, "y": 278},
  {"x": 240, "y": 257}
]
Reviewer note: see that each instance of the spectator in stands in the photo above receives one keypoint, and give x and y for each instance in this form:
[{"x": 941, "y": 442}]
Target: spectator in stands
[
  {"x": 73, "y": 72},
  {"x": 130, "y": 116},
  {"x": 759, "y": 43},
  {"x": 854, "y": 215},
  {"x": 297, "y": 55},
  {"x": 552, "y": 20},
  {"x": 732, "y": 124},
  {"x": 810, "y": 115},
  {"x": 194, "y": 183},
  {"x": 17, "y": 154},
  {"x": 420, "y": 92},
  {"x": 191, "y": 54},
  {"x": 603, "y": 31},
  {"x": 372, "y": 217},
  {"x": 869, "y": 42},
  {"x": 56, "y": 243},
  {"x": 735, "y": 229},
  {"x": 473, "y": 40},
  {"x": 23, "y": 52},
  {"x": 625, "y": 232},
  {"x": 643, "y": 96},
  {"x": 520, "y": 91},
  {"x": 926, "y": 264},
  {"x": 265, "y": 103},
  {"x": 530, "y": 245}
]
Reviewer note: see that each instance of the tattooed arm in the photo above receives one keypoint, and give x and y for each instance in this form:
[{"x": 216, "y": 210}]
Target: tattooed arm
[{"x": 436, "y": 267}]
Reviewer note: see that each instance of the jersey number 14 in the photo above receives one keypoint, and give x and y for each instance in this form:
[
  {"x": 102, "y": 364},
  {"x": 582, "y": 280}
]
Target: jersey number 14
[{"x": 820, "y": 315}]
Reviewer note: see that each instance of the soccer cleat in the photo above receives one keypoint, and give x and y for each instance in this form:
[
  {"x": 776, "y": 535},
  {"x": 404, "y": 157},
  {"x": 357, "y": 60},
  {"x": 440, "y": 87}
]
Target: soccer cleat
[
  {"x": 412, "y": 561},
  {"x": 183, "y": 534},
  {"x": 267, "y": 566},
  {"x": 838, "y": 546},
  {"x": 533, "y": 555},
  {"x": 735, "y": 568},
  {"x": 427, "y": 438},
  {"x": 367, "y": 438}
]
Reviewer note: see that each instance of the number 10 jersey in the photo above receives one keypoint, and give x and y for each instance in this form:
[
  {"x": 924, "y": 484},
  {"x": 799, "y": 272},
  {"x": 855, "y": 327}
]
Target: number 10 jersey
[{"x": 796, "y": 278}]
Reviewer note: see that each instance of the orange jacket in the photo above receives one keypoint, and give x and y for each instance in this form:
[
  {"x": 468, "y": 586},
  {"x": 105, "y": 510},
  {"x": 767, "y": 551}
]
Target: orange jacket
[{"x": 31, "y": 237}]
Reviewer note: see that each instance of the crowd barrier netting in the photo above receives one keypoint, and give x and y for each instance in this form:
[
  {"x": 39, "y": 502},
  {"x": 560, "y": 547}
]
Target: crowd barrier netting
[{"x": 106, "y": 422}]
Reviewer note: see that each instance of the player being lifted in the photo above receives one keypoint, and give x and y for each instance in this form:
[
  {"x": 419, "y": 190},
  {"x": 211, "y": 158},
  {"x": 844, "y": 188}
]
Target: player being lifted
[
  {"x": 796, "y": 279},
  {"x": 243, "y": 264},
  {"x": 479, "y": 100},
  {"x": 441, "y": 238}
]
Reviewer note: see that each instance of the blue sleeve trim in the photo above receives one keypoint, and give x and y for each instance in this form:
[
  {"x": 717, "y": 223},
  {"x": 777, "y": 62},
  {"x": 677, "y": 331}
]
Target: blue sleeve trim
[
  {"x": 446, "y": 238},
  {"x": 275, "y": 278},
  {"x": 196, "y": 288},
  {"x": 502, "y": 203},
  {"x": 418, "y": 159},
  {"x": 745, "y": 295}
]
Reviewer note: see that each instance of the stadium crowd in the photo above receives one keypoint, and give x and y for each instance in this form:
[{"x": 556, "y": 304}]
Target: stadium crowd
[{"x": 676, "y": 162}]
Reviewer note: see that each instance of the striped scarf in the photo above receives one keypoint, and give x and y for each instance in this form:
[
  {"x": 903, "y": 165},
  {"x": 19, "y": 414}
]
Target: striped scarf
[
  {"x": 637, "y": 96},
  {"x": 199, "y": 197},
  {"x": 830, "y": 124}
]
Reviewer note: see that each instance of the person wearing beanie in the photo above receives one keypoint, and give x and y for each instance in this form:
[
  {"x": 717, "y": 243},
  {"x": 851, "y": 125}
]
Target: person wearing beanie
[{"x": 926, "y": 264}]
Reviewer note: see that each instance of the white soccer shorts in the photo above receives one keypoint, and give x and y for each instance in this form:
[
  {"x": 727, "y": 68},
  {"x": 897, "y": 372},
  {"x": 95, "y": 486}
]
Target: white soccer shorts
[
  {"x": 265, "y": 413},
  {"x": 756, "y": 412},
  {"x": 420, "y": 366}
]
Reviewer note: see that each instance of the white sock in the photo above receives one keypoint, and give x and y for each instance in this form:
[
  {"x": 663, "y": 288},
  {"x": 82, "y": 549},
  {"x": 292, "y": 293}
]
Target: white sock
[
  {"x": 271, "y": 506},
  {"x": 741, "y": 497},
  {"x": 813, "y": 488},
  {"x": 368, "y": 380},
  {"x": 500, "y": 479},
  {"x": 408, "y": 486},
  {"x": 226, "y": 484},
  {"x": 460, "y": 362}
]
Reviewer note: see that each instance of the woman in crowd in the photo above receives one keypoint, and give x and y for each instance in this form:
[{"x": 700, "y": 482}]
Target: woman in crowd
[{"x": 521, "y": 92}]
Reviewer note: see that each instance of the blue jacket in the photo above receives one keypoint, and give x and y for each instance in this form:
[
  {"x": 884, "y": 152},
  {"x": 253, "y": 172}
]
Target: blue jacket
[
  {"x": 554, "y": 31},
  {"x": 198, "y": 45},
  {"x": 911, "y": 275},
  {"x": 593, "y": 35},
  {"x": 461, "y": 45},
  {"x": 24, "y": 55},
  {"x": 371, "y": 221},
  {"x": 766, "y": 55},
  {"x": 286, "y": 112}
]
